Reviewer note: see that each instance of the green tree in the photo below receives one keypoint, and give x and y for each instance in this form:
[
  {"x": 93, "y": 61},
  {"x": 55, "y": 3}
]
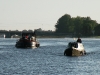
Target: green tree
[
  {"x": 97, "y": 30},
  {"x": 88, "y": 26},
  {"x": 62, "y": 25},
  {"x": 78, "y": 21},
  {"x": 77, "y": 25}
]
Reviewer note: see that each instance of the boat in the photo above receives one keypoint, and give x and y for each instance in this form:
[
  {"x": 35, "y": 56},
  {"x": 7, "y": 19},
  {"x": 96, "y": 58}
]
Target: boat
[
  {"x": 74, "y": 49},
  {"x": 27, "y": 40}
]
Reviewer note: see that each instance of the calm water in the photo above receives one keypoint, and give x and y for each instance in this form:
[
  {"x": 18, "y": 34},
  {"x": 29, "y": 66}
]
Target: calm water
[{"x": 49, "y": 59}]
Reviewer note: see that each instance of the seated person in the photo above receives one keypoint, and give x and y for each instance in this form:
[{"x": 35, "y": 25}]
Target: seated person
[
  {"x": 26, "y": 36},
  {"x": 33, "y": 38},
  {"x": 79, "y": 40}
]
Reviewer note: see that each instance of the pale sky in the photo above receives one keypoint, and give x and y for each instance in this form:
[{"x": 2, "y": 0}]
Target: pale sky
[{"x": 34, "y": 14}]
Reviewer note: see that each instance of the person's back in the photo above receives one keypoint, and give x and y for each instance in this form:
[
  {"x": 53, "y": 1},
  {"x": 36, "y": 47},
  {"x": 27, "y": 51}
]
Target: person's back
[{"x": 79, "y": 40}]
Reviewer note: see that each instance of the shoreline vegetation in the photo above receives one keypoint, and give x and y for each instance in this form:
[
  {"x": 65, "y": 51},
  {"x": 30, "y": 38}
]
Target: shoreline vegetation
[
  {"x": 44, "y": 34},
  {"x": 66, "y": 26}
]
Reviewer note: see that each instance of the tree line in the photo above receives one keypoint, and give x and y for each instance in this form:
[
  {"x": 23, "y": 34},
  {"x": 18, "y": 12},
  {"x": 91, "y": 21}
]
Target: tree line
[
  {"x": 39, "y": 33},
  {"x": 78, "y": 26},
  {"x": 65, "y": 26}
]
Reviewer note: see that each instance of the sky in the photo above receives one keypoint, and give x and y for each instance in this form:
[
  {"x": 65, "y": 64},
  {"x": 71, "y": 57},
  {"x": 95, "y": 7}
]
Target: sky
[{"x": 44, "y": 14}]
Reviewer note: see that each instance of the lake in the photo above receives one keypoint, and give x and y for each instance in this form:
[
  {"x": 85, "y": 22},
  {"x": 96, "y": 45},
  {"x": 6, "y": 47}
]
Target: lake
[{"x": 49, "y": 58}]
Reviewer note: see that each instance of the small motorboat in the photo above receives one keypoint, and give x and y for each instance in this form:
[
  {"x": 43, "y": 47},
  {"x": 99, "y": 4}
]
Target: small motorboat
[
  {"x": 28, "y": 40},
  {"x": 75, "y": 49}
]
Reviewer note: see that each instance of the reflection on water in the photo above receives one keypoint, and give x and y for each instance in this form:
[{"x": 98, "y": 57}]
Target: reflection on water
[{"x": 48, "y": 59}]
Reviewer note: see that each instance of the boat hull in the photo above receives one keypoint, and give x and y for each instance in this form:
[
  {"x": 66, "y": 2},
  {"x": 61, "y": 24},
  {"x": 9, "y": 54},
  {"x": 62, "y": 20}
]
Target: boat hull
[
  {"x": 27, "y": 44},
  {"x": 75, "y": 49},
  {"x": 74, "y": 52}
]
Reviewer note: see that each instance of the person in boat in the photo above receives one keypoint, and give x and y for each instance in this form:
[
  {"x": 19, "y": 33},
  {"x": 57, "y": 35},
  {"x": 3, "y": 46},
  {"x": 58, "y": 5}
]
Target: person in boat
[
  {"x": 26, "y": 36},
  {"x": 79, "y": 40},
  {"x": 33, "y": 37}
]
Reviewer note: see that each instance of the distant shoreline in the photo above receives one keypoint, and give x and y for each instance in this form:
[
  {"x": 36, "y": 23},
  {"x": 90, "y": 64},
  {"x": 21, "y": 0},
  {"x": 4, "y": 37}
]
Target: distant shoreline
[
  {"x": 62, "y": 37},
  {"x": 67, "y": 37}
]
